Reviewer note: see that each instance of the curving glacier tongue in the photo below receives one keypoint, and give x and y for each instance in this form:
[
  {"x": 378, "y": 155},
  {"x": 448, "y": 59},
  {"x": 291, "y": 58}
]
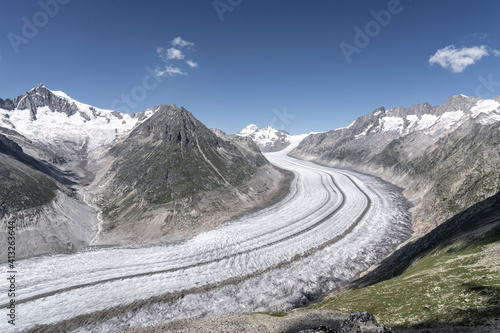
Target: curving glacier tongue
[{"x": 332, "y": 225}]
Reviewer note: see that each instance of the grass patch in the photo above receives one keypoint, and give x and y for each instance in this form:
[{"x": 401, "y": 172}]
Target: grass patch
[{"x": 457, "y": 283}]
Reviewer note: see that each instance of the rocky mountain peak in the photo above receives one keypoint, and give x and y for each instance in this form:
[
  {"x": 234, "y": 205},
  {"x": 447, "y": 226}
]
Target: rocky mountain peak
[
  {"x": 41, "y": 96},
  {"x": 39, "y": 87},
  {"x": 457, "y": 103},
  {"x": 172, "y": 124}
]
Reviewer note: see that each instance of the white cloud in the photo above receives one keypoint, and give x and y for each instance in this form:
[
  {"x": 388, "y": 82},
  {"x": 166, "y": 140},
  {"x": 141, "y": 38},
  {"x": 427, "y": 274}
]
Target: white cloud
[
  {"x": 173, "y": 53},
  {"x": 191, "y": 63},
  {"x": 456, "y": 60},
  {"x": 169, "y": 71},
  {"x": 174, "y": 58},
  {"x": 169, "y": 54},
  {"x": 179, "y": 42}
]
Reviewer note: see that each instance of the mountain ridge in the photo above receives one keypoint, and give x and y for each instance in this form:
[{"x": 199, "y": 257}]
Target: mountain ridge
[{"x": 409, "y": 147}]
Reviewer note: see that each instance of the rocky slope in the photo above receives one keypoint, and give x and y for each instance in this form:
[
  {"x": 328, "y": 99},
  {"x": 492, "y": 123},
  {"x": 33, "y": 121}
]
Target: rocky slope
[
  {"x": 47, "y": 215},
  {"x": 160, "y": 172},
  {"x": 172, "y": 177},
  {"x": 444, "y": 156},
  {"x": 299, "y": 321}
]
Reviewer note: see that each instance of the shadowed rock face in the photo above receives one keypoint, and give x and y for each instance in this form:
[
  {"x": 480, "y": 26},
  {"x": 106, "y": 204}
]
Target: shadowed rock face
[
  {"x": 21, "y": 185},
  {"x": 444, "y": 156}
]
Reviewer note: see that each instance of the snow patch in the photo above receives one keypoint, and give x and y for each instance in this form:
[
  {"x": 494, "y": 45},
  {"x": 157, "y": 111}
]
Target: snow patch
[
  {"x": 448, "y": 119},
  {"x": 392, "y": 124},
  {"x": 484, "y": 106},
  {"x": 426, "y": 121}
]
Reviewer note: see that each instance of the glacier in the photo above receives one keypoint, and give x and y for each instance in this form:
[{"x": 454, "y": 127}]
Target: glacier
[{"x": 332, "y": 225}]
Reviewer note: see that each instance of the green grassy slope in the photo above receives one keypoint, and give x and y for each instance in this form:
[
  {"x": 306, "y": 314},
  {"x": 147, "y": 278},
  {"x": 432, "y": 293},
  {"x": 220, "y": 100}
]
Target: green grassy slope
[{"x": 457, "y": 283}]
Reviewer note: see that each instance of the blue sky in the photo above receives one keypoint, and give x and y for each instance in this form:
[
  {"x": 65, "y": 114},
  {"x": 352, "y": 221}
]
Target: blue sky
[{"x": 264, "y": 62}]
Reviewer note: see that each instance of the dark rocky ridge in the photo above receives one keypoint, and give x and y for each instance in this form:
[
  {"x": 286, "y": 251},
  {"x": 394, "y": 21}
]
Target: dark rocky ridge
[
  {"x": 46, "y": 214},
  {"x": 176, "y": 167},
  {"x": 21, "y": 186},
  {"x": 11, "y": 148}
]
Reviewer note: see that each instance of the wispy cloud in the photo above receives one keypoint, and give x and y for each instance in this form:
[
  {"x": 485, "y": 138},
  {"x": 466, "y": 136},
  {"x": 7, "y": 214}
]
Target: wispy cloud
[
  {"x": 179, "y": 42},
  {"x": 173, "y": 56},
  {"x": 458, "y": 59},
  {"x": 479, "y": 35},
  {"x": 168, "y": 71},
  {"x": 191, "y": 63}
]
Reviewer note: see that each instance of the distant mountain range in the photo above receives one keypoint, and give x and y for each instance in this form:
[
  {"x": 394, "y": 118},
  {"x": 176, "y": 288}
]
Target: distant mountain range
[
  {"x": 445, "y": 157},
  {"x": 156, "y": 175}
]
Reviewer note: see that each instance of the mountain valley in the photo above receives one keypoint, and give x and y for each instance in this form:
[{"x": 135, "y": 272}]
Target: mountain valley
[{"x": 173, "y": 220}]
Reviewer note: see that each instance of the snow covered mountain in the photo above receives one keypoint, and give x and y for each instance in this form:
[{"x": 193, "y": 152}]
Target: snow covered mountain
[
  {"x": 269, "y": 139},
  {"x": 71, "y": 171},
  {"x": 445, "y": 156},
  {"x": 52, "y": 126}
]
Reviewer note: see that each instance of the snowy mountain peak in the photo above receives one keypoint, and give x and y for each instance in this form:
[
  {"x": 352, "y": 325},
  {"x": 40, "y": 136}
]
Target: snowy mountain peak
[
  {"x": 45, "y": 116},
  {"x": 248, "y": 130},
  {"x": 269, "y": 139},
  {"x": 39, "y": 86}
]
